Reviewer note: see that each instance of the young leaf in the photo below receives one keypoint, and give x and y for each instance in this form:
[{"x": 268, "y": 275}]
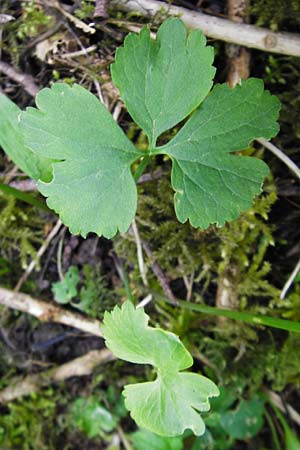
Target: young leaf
[
  {"x": 168, "y": 405},
  {"x": 91, "y": 417},
  {"x": 212, "y": 185},
  {"x": 92, "y": 187},
  {"x": 245, "y": 421},
  {"x": 66, "y": 289},
  {"x": 162, "y": 81},
  {"x": 11, "y": 140}
]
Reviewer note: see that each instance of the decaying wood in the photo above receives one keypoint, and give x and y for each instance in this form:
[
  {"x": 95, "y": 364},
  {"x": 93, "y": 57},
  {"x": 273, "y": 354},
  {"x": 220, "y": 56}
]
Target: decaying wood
[
  {"x": 48, "y": 312},
  {"x": 25, "y": 80},
  {"x": 217, "y": 28},
  {"x": 238, "y": 57},
  {"x": 78, "y": 367}
]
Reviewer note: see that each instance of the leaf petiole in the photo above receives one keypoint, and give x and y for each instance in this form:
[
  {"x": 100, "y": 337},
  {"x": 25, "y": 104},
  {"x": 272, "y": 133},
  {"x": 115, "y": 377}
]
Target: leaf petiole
[{"x": 141, "y": 168}]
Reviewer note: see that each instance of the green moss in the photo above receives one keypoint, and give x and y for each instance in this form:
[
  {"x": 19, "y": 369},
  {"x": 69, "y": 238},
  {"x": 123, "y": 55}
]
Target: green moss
[
  {"x": 30, "y": 423},
  {"x": 275, "y": 13},
  {"x": 86, "y": 10},
  {"x": 238, "y": 249},
  {"x": 33, "y": 20},
  {"x": 20, "y": 230}
]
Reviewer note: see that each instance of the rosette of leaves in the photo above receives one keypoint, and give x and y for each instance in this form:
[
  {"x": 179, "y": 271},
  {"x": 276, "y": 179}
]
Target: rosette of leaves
[
  {"x": 162, "y": 81},
  {"x": 171, "y": 403}
]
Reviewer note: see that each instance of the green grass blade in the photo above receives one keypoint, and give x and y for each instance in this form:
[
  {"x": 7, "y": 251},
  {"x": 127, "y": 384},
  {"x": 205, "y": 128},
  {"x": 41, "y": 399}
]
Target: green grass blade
[
  {"x": 24, "y": 197},
  {"x": 253, "y": 319}
]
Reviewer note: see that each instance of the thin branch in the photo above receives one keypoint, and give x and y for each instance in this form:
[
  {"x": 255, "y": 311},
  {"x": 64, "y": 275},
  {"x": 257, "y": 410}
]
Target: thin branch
[
  {"x": 139, "y": 251},
  {"x": 78, "y": 367},
  {"x": 75, "y": 20},
  {"x": 145, "y": 301},
  {"x": 217, "y": 28},
  {"x": 25, "y": 80},
  {"x": 48, "y": 312},
  {"x": 290, "y": 280},
  {"x": 99, "y": 92},
  {"x": 276, "y": 400},
  {"x": 39, "y": 254},
  {"x": 158, "y": 272},
  {"x": 280, "y": 155}
]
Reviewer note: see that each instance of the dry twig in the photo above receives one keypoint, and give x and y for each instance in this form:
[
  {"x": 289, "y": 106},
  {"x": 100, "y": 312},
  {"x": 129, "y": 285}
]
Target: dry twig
[
  {"x": 139, "y": 250},
  {"x": 48, "y": 312},
  {"x": 217, "y": 28},
  {"x": 290, "y": 280},
  {"x": 157, "y": 270},
  {"x": 280, "y": 155},
  {"x": 25, "y": 80},
  {"x": 39, "y": 254},
  {"x": 78, "y": 367},
  {"x": 276, "y": 400}
]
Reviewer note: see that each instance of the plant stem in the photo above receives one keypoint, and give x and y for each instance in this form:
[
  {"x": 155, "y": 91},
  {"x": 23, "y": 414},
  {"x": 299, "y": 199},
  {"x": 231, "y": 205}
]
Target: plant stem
[
  {"x": 273, "y": 431},
  {"x": 141, "y": 168},
  {"x": 253, "y": 319}
]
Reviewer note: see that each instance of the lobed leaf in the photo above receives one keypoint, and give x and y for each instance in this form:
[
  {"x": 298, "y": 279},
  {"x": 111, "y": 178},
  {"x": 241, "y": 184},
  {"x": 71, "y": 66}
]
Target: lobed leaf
[
  {"x": 65, "y": 290},
  {"x": 170, "y": 404},
  {"x": 162, "y": 81},
  {"x": 92, "y": 187},
  {"x": 212, "y": 185},
  {"x": 91, "y": 417},
  {"x": 11, "y": 140}
]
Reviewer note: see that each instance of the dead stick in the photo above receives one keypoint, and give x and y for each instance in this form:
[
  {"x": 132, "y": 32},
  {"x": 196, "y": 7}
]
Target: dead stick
[
  {"x": 158, "y": 272},
  {"x": 217, "y": 28},
  {"x": 39, "y": 254},
  {"x": 25, "y": 80},
  {"x": 78, "y": 367},
  {"x": 276, "y": 400},
  {"x": 101, "y": 9},
  {"x": 47, "y": 312}
]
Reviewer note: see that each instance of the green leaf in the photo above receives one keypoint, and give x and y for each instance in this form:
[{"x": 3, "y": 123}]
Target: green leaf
[
  {"x": 162, "y": 81},
  {"x": 168, "y": 405},
  {"x": 11, "y": 140},
  {"x": 66, "y": 289},
  {"x": 212, "y": 185},
  {"x": 92, "y": 187},
  {"x": 145, "y": 440},
  {"x": 245, "y": 421},
  {"x": 91, "y": 417}
]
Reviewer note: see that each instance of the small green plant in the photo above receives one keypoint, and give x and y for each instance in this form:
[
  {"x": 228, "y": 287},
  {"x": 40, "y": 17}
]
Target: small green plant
[
  {"x": 91, "y": 417},
  {"x": 82, "y": 160},
  {"x": 92, "y": 297},
  {"x": 166, "y": 406}
]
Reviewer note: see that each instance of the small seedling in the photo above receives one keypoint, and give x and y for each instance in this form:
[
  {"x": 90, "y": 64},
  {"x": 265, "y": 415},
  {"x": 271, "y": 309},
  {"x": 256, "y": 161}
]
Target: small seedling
[{"x": 83, "y": 163}]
